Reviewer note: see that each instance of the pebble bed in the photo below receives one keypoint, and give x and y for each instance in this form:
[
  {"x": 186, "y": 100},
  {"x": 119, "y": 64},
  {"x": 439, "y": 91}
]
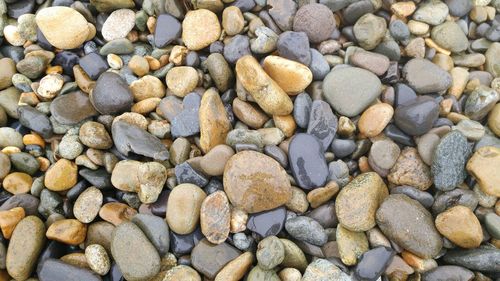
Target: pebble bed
[{"x": 255, "y": 140}]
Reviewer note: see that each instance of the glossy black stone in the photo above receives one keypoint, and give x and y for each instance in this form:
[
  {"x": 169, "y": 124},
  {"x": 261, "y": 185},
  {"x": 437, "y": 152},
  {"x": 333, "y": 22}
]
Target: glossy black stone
[
  {"x": 98, "y": 178},
  {"x": 93, "y": 64},
  {"x": 187, "y": 174},
  {"x": 373, "y": 263},
  {"x": 183, "y": 244},
  {"x": 35, "y": 120},
  {"x": 167, "y": 30},
  {"x": 268, "y": 223},
  {"x": 307, "y": 161},
  {"x": 56, "y": 270},
  {"x": 395, "y": 134},
  {"x": 322, "y": 123}
]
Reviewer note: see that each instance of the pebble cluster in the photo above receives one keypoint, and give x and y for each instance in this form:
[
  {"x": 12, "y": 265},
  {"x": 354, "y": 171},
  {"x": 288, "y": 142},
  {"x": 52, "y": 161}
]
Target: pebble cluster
[{"x": 256, "y": 140}]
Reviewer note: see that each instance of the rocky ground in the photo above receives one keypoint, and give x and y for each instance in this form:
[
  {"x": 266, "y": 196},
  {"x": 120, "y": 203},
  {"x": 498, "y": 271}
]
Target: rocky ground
[{"x": 257, "y": 140}]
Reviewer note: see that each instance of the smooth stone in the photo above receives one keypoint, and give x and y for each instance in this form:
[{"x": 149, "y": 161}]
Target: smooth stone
[
  {"x": 432, "y": 12},
  {"x": 183, "y": 244},
  {"x": 9, "y": 99},
  {"x": 482, "y": 167},
  {"x": 156, "y": 229},
  {"x": 220, "y": 71},
  {"x": 61, "y": 176},
  {"x": 87, "y": 205},
  {"x": 49, "y": 203},
  {"x": 56, "y": 270},
  {"x": 25, "y": 246},
  {"x": 426, "y": 77},
  {"x": 306, "y": 229},
  {"x": 5, "y": 165},
  {"x": 409, "y": 169},
  {"x": 195, "y": 38},
  {"x": 118, "y": 24},
  {"x": 8, "y": 70},
  {"x": 422, "y": 197},
  {"x": 238, "y": 47},
  {"x": 461, "y": 226},
  {"x": 471, "y": 129},
  {"x": 351, "y": 245},
  {"x": 291, "y": 76},
  {"x": 129, "y": 138},
  {"x": 459, "y": 8},
  {"x": 481, "y": 259},
  {"x": 450, "y": 36},
  {"x": 99, "y": 178},
  {"x": 267, "y": 223},
  {"x": 214, "y": 121},
  {"x": 259, "y": 274},
  {"x": 307, "y": 161},
  {"x": 255, "y": 188},
  {"x": 97, "y": 259},
  {"x": 181, "y": 272},
  {"x": 417, "y": 117},
  {"x": 182, "y": 80},
  {"x": 294, "y": 46},
  {"x": 63, "y": 27},
  {"x": 111, "y": 94},
  {"x": 294, "y": 257},
  {"x": 135, "y": 255},
  {"x": 301, "y": 109},
  {"x": 121, "y": 46},
  {"x": 93, "y": 64},
  {"x": 183, "y": 208},
  {"x": 23, "y": 162},
  {"x": 369, "y": 30},
  {"x": 265, "y": 42},
  {"x": 319, "y": 65},
  {"x": 409, "y": 224},
  {"x": 480, "y": 102},
  {"x": 342, "y": 148},
  {"x": 322, "y": 269},
  {"x": 66, "y": 59},
  {"x": 322, "y": 123},
  {"x": 383, "y": 155},
  {"x": 270, "y": 252},
  {"x": 349, "y": 90},
  {"x": 35, "y": 120},
  {"x": 492, "y": 223},
  {"x": 185, "y": 173},
  {"x": 374, "y": 62},
  {"x": 450, "y": 157},
  {"x": 448, "y": 272},
  {"x": 454, "y": 197},
  {"x": 236, "y": 269},
  {"x": 215, "y": 160},
  {"x": 72, "y": 108},
  {"x": 215, "y": 217},
  {"x": 186, "y": 122},
  {"x": 316, "y": 20},
  {"x": 358, "y": 201},
  {"x": 492, "y": 59},
  {"x": 373, "y": 263},
  {"x": 283, "y": 12},
  {"x": 203, "y": 253},
  {"x": 10, "y": 137},
  {"x": 426, "y": 145}
]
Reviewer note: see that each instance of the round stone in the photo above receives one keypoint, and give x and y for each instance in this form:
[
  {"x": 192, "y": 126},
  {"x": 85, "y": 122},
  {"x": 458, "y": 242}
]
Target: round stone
[
  {"x": 61, "y": 176},
  {"x": 410, "y": 170},
  {"x": 369, "y": 31},
  {"x": 97, "y": 259},
  {"x": 88, "y": 204},
  {"x": 291, "y": 76},
  {"x": 67, "y": 231},
  {"x": 111, "y": 94},
  {"x": 182, "y": 272},
  {"x": 374, "y": 119},
  {"x": 17, "y": 183},
  {"x": 482, "y": 166},
  {"x": 461, "y": 226},
  {"x": 193, "y": 35},
  {"x": 270, "y": 252},
  {"x": 417, "y": 116},
  {"x": 262, "y": 186},
  {"x": 232, "y": 20},
  {"x": 183, "y": 208},
  {"x": 94, "y": 135},
  {"x": 316, "y": 20},
  {"x": 118, "y": 24},
  {"x": 182, "y": 80},
  {"x": 215, "y": 216}
]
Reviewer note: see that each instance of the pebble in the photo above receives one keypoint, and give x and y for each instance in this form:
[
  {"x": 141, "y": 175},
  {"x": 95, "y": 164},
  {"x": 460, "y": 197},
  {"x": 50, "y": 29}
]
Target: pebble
[
  {"x": 118, "y": 24},
  {"x": 72, "y": 108},
  {"x": 374, "y": 119},
  {"x": 461, "y": 226},
  {"x": 8, "y": 67},
  {"x": 245, "y": 187},
  {"x": 111, "y": 94},
  {"x": 63, "y": 27},
  {"x": 9, "y": 101},
  {"x": 350, "y": 90},
  {"x": 369, "y": 30},
  {"x": 425, "y": 77},
  {"x": 342, "y": 148},
  {"x": 480, "y": 102},
  {"x": 432, "y": 12},
  {"x": 482, "y": 167},
  {"x": 5, "y": 165},
  {"x": 410, "y": 170},
  {"x": 373, "y": 263},
  {"x": 459, "y": 8},
  {"x": 448, "y": 272},
  {"x": 307, "y": 161},
  {"x": 258, "y": 273},
  {"x": 232, "y": 20},
  {"x": 25, "y": 162},
  {"x": 94, "y": 135},
  {"x": 181, "y": 80},
  {"x": 17, "y": 183},
  {"x": 156, "y": 229},
  {"x": 316, "y": 20},
  {"x": 9, "y": 220},
  {"x": 270, "y": 252},
  {"x": 417, "y": 117},
  {"x": 10, "y": 137},
  {"x": 93, "y": 64},
  {"x": 282, "y": 12},
  {"x": 215, "y": 216},
  {"x": 471, "y": 129},
  {"x": 267, "y": 223},
  {"x": 25, "y": 246},
  {"x": 202, "y": 257},
  {"x": 214, "y": 121},
  {"x": 306, "y": 229},
  {"x": 294, "y": 257},
  {"x": 235, "y": 269},
  {"x": 61, "y": 176},
  {"x": 290, "y": 76},
  {"x": 448, "y": 164},
  {"x": 492, "y": 58},
  {"x": 57, "y": 270},
  {"x": 236, "y": 48},
  {"x": 35, "y": 120},
  {"x": 383, "y": 155},
  {"x": 195, "y": 38},
  {"x": 482, "y": 259},
  {"x": 454, "y": 197},
  {"x": 374, "y": 62},
  {"x": 494, "y": 120},
  {"x": 136, "y": 257},
  {"x": 185, "y": 122},
  {"x": 358, "y": 201},
  {"x": 265, "y": 42},
  {"x": 220, "y": 71},
  {"x": 183, "y": 208},
  {"x": 249, "y": 114},
  {"x": 322, "y": 269},
  {"x": 67, "y": 231},
  {"x": 409, "y": 224},
  {"x": 351, "y": 245},
  {"x": 322, "y": 123},
  {"x": 450, "y": 36},
  {"x": 97, "y": 259},
  {"x": 426, "y": 145},
  {"x": 294, "y": 46},
  {"x": 87, "y": 205}
]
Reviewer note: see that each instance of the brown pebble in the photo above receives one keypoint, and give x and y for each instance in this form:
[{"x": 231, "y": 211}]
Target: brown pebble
[
  {"x": 116, "y": 213},
  {"x": 9, "y": 220},
  {"x": 68, "y": 231}
]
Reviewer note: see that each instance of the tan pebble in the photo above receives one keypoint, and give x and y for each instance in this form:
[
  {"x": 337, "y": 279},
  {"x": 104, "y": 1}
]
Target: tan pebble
[
  {"x": 214, "y": 122},
  {"x": 50, "y": 85},
  {"x": 154, "y": 64},
  {"x": 483, "y": 166},
  {"x": 116, "y": 213},
  {"x": 351, "y": 245},
  {"x": 410, "y": 169},
  {"x": 291, "y": 76},
  {"x": 76, "y": 259},
  {"x": 445, "y": 107},
  {"x": 249, "y": 113},
  {"x": 147, "y": 87},
  {"x": 114, "y": 61},
  {"x": 196, "y": 38},
  {"x": 232, "y": 20},
  {"x": 363, "y": 164},
  {"x": 54, "y": 69},
  {"x": 461, "y": 226},
  {"x": 290, "y": 274},
  {"x": 12, "y": 35},
  {"x": 183, "y": 208},
  {"x": 456, "y": 117},
  {"x": 494, "y": 120},
  {"x": 178, "y": 54},
  {"x": 9, "y": 150},
  {"x": 67, "y": 231},
  {"x": 9, "y": 219},
  {"x": 374, "y": 119},
  {"x": 443, "y": 61},
  {"x": 146, "y": 106},
  {"x": 88, "y": 204},
  {"x": 82, "y": 79},
  {"x": 346, "y": 127},
  {"x": 133, "y": 118},
  {"x": 431, "y": 44},
  {"x": 17, "y": 183},
  {"x": 44, "y": 163},
  {"x": 418, "y": 28},
  {"x": 236, "y": 269},
  {"x": 215, "y": 160},
  {"x": 298, "y": 202},
  {"x": 97, "y": 259},
  {"x": 181, "y": 272},
  {"x": 139, "y": 65},
  {"x": 403, "y": 9},
  {"x": 459, "y": 77},
  {"x": 418, "y": 264},
  {"x": 182, "y": 80},
  {"x": 35, "y": 139},
  {"x": 319, "y": 196},
  {"x": 238, "y": 220},
  {"x": 215, "y": 216},
  {"x": 286, "y": 123},
  {"x": 29, "y": 99}
]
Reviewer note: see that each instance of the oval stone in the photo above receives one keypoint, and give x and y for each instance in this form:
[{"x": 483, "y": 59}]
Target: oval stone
[
  {"x": 183, "y": 208},
  {"x": 63, "y": 27},
  {"x": 111, "y": 94},
  {"x": 215, "y": 217},
  {"x": 307, "y": 161}
]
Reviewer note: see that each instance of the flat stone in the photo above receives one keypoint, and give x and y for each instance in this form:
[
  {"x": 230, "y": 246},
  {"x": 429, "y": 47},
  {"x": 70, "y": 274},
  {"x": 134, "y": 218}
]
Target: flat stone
[
  {"x": 307, "y": 161},
  {"x": 203, "y": 261},
  {"x": 351, "y": 245},
  {"x": 322, "y": 123},
  {"x": 294, "y": 46},
  {"x": 373, "y": 263},
  {"x": 214, "y": 121},
  {"x": 417, "y": 117},
  {"x": 111, "y": 94},
  {"x": 282, "y": 12},
  {"x": 425, "y": 77},
  {"x": 72, "y": 108},
  {"x": 448, "y": 272},
  {"x": 118, "y": 24},
  {"x": 474, "y": 259}
]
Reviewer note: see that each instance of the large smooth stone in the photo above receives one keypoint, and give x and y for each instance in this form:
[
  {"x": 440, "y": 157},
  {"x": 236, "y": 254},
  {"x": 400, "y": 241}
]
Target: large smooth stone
[
  {"x": 486, "y": 259},
  {"x": 111, "y": 94},
  {"x": 57, "y": 270},
  {"x": 426, "y": 77},
  {"x": 35, "y": 120},
  {"x": 72, "y": 108},
  {"x": 417, "y": 116},
  {"x": 307, "y": 161},
  {"x": 63, "y": 27}
]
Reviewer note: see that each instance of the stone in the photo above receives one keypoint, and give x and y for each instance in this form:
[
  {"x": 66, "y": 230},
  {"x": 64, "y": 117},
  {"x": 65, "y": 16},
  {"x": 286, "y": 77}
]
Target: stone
[
  {"x": 185, "y": 122},
  {"x": 111, "y": 94},
  {"x": 258, "y": 273},
  {"x": 63, "y": 27},
  {"x": 432, "y": 12},
  {"x": 235, "y": 269},
  {"x": 374, "y": 119},
  {"x": 232, "y": 20},
  {"x": 236, "y": 48},
  {"x": 373, "y": 263},
  {"x": 9, "y": 220},
  {"x": 482, "y": 167},
  {"x": 270, "y": 252},
  {"x": 156, "y": 229},
  {"x": 322, "y": 269},
  {"x": 182, "y": 80},
  {"x": 136, "y": 257},
  {"x": 35, "y": 120},
  {"x": 350, "y": 90},
  {"x": 409, "y": 224},
  {"x": 316, "y": 20},
  {"x": 358, "y": 201},
  {"x": 220, "y": 71},
  {"x": 448, "y": 272},
  {"x": 294, "y": 257},
  {"x": 322, "y": 123},
  {"x": 494, "y": 120},
  {"x": 417, "y": 117},
  {"x": 100, "y": 233},
  {"x": 267, "y": 223},
  {"x": 448, "y": 164},
  {"x": 5, "y": 165},
  {"x": 215, "y": 216},
  {"x": 342, "y": 148},
  {"x": 425, "y": 77},
  {"x": 480, "y": 102},
  {"x": 459, "y": 8},
  {"x": 8, "y": 69},
  {"x": 351, "y": 245},
  {"x": 410, "y": 170},
  {"x": 282, "y": 12},
  {"x": 61, "y": 176},
  {"x": 25, "y": 246},
  {"x": 88, "y": 204},
  {"x": 129, "y": 138},
  {"x": 94, "y": 135},
  {"x": 265, "y": 42},
  {"x": 203, "y": 261},
  {"x": 291, "y": 77},
  {"x": 249, "y": 114},
  {"x": 471, "y": 129},
  {"x": 294, "y": 46},
  {"x": 9, "y": 99},
  {"x": 118, "y": 24},
  {"x": 214, "y": 121},
  {"x": 306, "y": 229},
  {"x": 426, "y": 145},
  {"x": 369, "y": 30},
  {"x": 265, "y": 91},
  {"x": 461, "y": 226},
  {"x": 57, "y": 270},
  {"x": 67, "y": 231},
  {"x": 450, "y": 36},
  {"x": 482, "y": 259},
  {"x": 97, "y": 259},
  {"x": 492, "y": 55},
  {"x": 183, "y": 208},
  {"x": 72, "y": 108},
  {"x": 196, "y": 38},
  {"x": 307, "y": 161},
  {"x": 93, "y": 64},
  {"x": 116, "y": 213},
  {"x": 17, "y": 183},
  {"x": 247, "y": 186}
]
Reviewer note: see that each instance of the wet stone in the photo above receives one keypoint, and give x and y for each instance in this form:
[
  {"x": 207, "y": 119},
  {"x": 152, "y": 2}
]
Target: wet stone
[
  {"x": 267, "y": 223},
  {"x": 450, "y": 272},
  {"x": 422, "y": 197},
  {"x": 111, "y": 94},
  {"x": 307, "y": 161},
  {"x": 322, "y": 123},
  {"x": 475, "y": 259},
  {"x": 185, "y": 173},
  {"x": 35, "y": 120},
  {"x": 203, "y": 253},
  {"x": 373, "y": 263},
  {"x": 93, "y": 64},
  {"x": 454, "y": 197}
]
